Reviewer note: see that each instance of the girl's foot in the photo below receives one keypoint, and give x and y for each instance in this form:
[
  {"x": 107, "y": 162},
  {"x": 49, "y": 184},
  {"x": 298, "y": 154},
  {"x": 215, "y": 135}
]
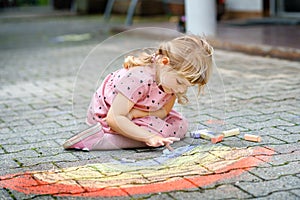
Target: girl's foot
[{"x": 85, "y": 139}]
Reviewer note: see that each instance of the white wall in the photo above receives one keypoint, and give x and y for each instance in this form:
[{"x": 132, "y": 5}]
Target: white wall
[
  {"x": 201, "y": 17},
  {"x": 244, "y": 5}
]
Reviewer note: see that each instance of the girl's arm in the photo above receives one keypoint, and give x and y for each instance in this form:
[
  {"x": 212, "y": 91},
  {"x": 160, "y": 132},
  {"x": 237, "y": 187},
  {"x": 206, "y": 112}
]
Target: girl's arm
[
  {"x": 161, "y": 113},
  {"x": 118, "y": 121}
]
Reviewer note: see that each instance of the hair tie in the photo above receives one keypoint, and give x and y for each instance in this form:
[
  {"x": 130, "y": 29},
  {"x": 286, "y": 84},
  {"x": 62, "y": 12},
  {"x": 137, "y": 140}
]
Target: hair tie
[
  {"x": 165, "y": 60},
  {"x": 153, "y": 58}
]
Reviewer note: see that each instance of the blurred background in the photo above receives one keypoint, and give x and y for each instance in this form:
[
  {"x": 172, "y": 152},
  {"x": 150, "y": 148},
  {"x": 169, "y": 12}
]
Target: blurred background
[
  {"x": 258, "y": 22},
  {"x": 227, "y": 9}
]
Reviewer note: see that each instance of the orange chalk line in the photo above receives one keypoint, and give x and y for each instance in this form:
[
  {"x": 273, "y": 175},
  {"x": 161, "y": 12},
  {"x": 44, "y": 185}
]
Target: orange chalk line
[{"x": 27, "y": 184}]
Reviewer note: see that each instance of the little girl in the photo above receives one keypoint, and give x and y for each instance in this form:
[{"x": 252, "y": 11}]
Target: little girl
[{"x": 133, "y": 106}]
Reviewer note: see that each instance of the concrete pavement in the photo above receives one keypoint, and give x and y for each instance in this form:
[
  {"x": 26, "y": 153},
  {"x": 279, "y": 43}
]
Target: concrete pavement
[{"x": 47, "y": 80}]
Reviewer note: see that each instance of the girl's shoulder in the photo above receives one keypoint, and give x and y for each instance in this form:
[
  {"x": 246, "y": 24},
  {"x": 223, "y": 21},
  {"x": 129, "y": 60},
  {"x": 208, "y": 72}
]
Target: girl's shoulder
[
  {"x": 140, "y": 68},
  {"x": 142, "y": 71}
]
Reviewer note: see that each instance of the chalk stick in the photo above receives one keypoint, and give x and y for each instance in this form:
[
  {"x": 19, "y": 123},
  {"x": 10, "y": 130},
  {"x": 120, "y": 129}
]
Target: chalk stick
[
  {"x": 205, "y": 134},
  {"x": 253, "y": 138},
  {"x": 231, "y": 132},
  {"x": 217, "y": 139},
  {"x": 127, "y": 160},
  {"x": 169, "y": 147},
  {"x": 195, "y": 135}
]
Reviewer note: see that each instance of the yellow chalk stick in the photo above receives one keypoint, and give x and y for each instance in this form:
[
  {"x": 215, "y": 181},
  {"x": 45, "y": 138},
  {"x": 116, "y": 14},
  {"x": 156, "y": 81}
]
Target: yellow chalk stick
[
  {"x": 231, "y": 132},
  {"x": 206, "y": 134}
]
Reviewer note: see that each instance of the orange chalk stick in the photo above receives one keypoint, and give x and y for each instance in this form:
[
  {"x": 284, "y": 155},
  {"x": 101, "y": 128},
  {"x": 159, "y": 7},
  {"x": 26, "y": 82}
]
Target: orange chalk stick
[
  {"x": 217, "y": 139},
  {"x": 253, "y": 138}
]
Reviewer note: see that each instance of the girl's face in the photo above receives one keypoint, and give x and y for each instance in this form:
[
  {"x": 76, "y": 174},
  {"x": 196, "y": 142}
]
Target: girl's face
[{"x": 172, "y": 82}]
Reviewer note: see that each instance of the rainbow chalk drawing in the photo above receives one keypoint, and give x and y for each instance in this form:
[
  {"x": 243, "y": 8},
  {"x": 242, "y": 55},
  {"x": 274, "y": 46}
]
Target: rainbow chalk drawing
[{"x": 184, "y": 168}]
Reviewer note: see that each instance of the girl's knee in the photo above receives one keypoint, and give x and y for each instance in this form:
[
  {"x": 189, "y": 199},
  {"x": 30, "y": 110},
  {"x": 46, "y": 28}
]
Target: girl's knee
[
  {"x": 177, "y": 129},
  {"x": 182, "y": 128}
]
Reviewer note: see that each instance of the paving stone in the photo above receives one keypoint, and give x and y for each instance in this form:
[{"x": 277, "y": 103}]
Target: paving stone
[
  {"x": 276, "y": 172},
  {"x": 281, "y": 159},
  {"x": 13, "y": 170},
  {"x": 13, "y": 140},
  {"x": 267, "y": 123},
  {"x": 261, "y": 117},
  {"x": 288, "y": 138},
  {"x": 238, "y": 141},
  {"x": 36, "y": 127},
  {"x": 21, "y": 154},
  {"x": 155, "y": 196},
  {"x": 106, "y": 156},
  {"x": 276, "y": 122},
  {"x": 44, "y": 197},
  {"x": 44, "y": 119},
  {"x": 39, "y": 167},
  {"x": 5, "y": 195},
  {"x": 238, "y": 120},
  {"x": 220, "y": 192},
  {"x": 48, "y": 159},
  {"x": 296, "y": 192},
  {"x": 56, "y": 111},
  {"x": 65, "y": 123},
  {"x": 246, "y": 176},
  {"x": 42, "y": 137},
  {"x": 7, "y": 162},
  {"x": 18, "y": 123},
  {"x": 264, "y": 188},
  {"x": 242, "y": 113},
  {"x": 4, "y": 130},
  {"x": 291, "y": 129},
  {"x": 93, "y": 198},
  {"x": 49, "y": 151},
  {"x": 66, "y": 164},
  {"x": 289, "y": 117},
  {"x": 280, "y": 195},
  {"x": 272, "y": 131},
  {"x": 18, "y": 195},
  {"x": 20, "y": 147},
  {"x": 28, "y": 115},
  {"x": 285, "y": 148},
  {"x": 25, "y": 134},
  {"x": 7, "y": 113},
  {"x": 65, "y": 132}
]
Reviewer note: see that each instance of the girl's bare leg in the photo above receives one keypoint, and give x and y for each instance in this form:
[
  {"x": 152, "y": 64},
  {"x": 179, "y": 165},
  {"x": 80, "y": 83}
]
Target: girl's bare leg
[
  {"x": 93, "y": 138},
  {"x": 115, "y": 141}
]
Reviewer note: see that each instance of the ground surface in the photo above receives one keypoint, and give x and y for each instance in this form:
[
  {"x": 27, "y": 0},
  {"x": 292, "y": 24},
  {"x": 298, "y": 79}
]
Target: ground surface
[{"x": 46, "y": 82}]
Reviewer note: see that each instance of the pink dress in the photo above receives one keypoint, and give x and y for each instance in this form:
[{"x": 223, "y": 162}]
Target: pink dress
[{"x": 139, "y": 86}]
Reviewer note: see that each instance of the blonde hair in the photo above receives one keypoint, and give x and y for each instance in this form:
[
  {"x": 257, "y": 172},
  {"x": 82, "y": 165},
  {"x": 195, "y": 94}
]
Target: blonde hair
[{"x": 189, "y": 55}]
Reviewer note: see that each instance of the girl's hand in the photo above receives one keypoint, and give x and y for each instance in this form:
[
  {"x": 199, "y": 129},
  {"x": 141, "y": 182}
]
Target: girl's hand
[
  {"x": 157, "y": 141},
  {"x": 135, "y": 113}
]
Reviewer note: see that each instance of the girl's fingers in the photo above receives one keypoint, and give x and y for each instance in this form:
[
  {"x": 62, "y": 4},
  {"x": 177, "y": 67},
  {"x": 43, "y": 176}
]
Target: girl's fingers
[
  {"x": 175, "y": 139},
  {"x": 163, "y": 142},
  {"x": 167, "y": 141}
]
